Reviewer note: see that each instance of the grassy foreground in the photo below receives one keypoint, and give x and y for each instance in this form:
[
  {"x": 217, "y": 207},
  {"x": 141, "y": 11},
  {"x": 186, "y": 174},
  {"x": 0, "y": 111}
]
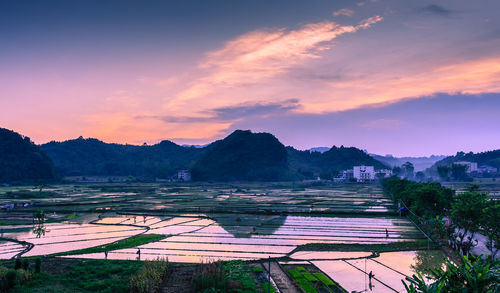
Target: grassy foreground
[
  {"x": 82, "y": 276},
  {"x": 133, "y": 241}
]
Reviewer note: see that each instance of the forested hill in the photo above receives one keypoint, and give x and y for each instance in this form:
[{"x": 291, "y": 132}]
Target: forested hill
[
  {"x": 243, "y": 155},
  {"x": 94, "y": 157},
  {"x": 329, "y": 163},
  {"x": 21, "y": 161},
  {"x": 490, "y": 158}
]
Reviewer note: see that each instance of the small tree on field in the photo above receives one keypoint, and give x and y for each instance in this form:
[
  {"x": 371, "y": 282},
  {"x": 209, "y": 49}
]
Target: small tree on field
[
  {"x": 443, "y": 172},
  {"x": 466, "y": 212},
  {"x": 490, "y": 223}
]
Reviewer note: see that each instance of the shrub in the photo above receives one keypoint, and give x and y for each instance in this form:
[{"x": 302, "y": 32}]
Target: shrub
[
  {"x": 26, "y": 264},
  {"x": 18, "y": 264},
  {"x": 38, "y": 265},
  {"x": 11, "y": 278},
  {"x": 150, "y": 277},
  {"x": 230, "y": 276},
  {"x": 257, "y": 270}
]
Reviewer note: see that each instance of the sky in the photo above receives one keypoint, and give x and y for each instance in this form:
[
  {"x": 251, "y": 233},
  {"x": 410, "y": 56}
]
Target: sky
[{"x": 408, "y": 78}]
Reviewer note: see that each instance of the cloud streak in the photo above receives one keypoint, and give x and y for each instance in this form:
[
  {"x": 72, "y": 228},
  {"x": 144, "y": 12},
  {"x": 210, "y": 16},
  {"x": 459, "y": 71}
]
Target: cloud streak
[
  {"x": 436, "y": 9},
  {"x": 263, "y": 54},
  {"x": 344, "y": 12},
  {"x": 232, "y": 113}
]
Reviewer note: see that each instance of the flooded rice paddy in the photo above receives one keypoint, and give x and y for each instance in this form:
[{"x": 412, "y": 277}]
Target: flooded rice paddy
[
  {"x": 246, "y": 237},
  {"x": 196, "y": 238},
  {"x": 389, "y": 269}
]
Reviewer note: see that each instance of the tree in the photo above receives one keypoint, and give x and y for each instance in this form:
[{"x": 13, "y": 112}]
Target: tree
[
  {"x": 430, "y": 200},
  {"x": 466, "y": 212},
  {"x": 474, "y": 275},
  {"x": 325, "y": 176},
  {"x": 490, "y": 225},
  {"x": 420, "y": 176},
  {"x": 397, "y": 171},
  {"x": 408, "y": 169},
  {"x": 443, "y": 172},
  {"x": 39, "y": 228},
  {"x": 459, "y": 172}
]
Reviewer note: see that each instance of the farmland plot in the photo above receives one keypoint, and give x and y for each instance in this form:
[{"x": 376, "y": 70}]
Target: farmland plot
[
  {"x": 248, "y": 237},
  {"x": 61, "y": 237}
]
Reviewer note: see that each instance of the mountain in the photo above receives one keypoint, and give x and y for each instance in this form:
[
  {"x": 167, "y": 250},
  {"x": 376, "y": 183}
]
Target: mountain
[
  {"x": 420, "y": 163},
  {"x": 489, "y": 158},
  {"x": 334, "y": 160},
  {"x": 243, "y": 155},
  {"x": 94, "y": 157},
  {"x": 21, "y": 161}
]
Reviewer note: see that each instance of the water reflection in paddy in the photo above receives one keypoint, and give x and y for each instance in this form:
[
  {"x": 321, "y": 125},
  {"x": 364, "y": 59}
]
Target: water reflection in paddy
[
  {"x": 195, "y": 239},
  {"x": 389, "y": 269},
  {"x": 62, "y": 237},
  {"x": 10, "y": 249}
]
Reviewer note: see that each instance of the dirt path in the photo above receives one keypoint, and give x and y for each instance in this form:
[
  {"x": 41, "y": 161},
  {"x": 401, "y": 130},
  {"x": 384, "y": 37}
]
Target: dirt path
[
  {"x": 281, "y": 279},
  {"x": 179, "y": 280}
]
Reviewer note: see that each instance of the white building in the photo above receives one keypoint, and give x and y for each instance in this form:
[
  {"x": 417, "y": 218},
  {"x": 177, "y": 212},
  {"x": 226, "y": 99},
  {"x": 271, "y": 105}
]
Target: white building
[
  {"x": 184, "y": 175},
  {"x": 386, "y": 172},
  {"x": 471, "y": 166},
  {"x": 487, "y": 169},
  {"x": 364, "y": 173}
]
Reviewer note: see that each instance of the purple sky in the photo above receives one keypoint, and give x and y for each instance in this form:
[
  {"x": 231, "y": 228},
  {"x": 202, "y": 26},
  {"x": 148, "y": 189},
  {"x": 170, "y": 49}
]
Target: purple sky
[{"x": 399, "y": 77}]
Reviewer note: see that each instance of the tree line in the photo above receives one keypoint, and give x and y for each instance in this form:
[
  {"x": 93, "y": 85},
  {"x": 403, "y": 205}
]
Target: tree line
[{"x": 468, "y": 213}]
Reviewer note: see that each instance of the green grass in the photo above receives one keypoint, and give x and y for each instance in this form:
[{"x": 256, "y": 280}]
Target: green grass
[
  {"x": 238, "y": 270},
  {"x": 265, "y": 287},
  {"x": 257, "y": 270},
  {"x": 309, "y": 277},
  {"x": 299, "y": 277},
  {"x": 324, "y": 279},
  {"x": 121, "y": 244},
  {"x": 301, "y": 269},
  {"x": 103, "y": 276}
]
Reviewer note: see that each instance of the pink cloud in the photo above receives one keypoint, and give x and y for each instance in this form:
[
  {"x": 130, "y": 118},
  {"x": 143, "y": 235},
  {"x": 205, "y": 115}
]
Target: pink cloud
[{"x": 257, "y": 57}]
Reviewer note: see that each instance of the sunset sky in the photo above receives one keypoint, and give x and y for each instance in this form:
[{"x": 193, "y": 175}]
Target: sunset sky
[{"x": 399, "y": 77}]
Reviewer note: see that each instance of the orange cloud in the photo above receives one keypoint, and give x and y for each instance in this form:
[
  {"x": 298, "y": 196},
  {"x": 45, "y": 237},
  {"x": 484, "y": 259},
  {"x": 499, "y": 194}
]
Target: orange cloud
[
  {"x": 471, "y": 77},
  {"x": 256, "y": 57}
]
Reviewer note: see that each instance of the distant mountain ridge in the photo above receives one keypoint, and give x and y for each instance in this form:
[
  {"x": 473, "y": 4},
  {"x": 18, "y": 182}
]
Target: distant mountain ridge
[
  {"x": 241, "y": 156},
  {"x": 420, "y": 163}
]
